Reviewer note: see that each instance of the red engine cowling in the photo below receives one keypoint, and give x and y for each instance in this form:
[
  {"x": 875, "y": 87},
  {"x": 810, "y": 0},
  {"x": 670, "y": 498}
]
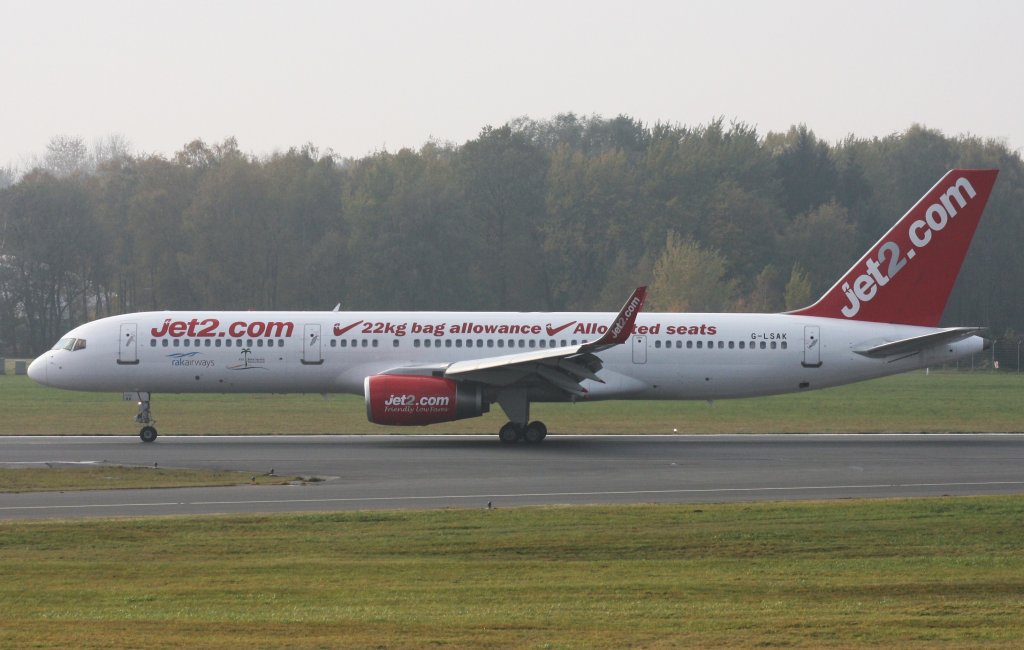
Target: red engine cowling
[{"x": 409, "y": 400}]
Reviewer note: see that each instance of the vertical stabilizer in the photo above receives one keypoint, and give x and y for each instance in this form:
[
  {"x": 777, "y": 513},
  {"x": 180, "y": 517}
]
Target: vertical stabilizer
[{"x": 908, "y": 275}]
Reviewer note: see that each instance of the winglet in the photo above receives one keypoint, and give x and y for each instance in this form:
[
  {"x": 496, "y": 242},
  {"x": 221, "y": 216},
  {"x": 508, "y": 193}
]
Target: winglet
[{"x": 622, "y": 327}]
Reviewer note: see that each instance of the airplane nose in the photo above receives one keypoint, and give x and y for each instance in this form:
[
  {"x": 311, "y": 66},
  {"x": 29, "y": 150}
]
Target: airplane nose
[{"x": 37, "y": 370}]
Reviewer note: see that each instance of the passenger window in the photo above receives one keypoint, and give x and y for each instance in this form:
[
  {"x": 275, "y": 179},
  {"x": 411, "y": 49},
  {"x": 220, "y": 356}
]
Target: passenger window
[
  {"x": 152, "y": 343},
  {"x": 773, "y": 345},
  {"x": 732, "y": 344},
  {"x": 689, "y": 345},
  {"x": 700, "y": 345},
  {"x": 763, "y": 346},
  {"x": 784, "y": 345},
  {"x": 394, "y": 343}
]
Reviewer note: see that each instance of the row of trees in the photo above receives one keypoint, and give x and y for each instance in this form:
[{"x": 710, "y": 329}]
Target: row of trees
[{"x": 567, "y": 213}]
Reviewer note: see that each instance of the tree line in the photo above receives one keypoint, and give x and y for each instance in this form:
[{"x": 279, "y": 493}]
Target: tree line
[{"x": 567, "y": 213}]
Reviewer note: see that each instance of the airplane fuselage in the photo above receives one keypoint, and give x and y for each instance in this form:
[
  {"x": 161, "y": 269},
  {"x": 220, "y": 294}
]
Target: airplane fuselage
[{"x": 667, "y": 356}]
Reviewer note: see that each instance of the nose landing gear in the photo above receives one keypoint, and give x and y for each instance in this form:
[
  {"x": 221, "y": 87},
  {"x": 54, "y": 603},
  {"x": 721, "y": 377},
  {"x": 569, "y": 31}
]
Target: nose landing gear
[
  {"x": 147, "y": 433},
  {"x": 144, "y": 417}
]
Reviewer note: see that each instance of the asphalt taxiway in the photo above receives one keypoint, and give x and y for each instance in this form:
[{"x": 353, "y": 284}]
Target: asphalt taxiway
[{"x": 429, "y": 471}]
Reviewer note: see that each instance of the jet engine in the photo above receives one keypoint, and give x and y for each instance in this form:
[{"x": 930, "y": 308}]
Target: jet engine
[{"x": 411, "y": 400}]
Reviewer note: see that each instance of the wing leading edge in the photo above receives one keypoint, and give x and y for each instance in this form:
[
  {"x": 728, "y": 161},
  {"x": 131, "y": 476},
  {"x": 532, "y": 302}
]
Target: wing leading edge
[{"x": 562, "y": 368}]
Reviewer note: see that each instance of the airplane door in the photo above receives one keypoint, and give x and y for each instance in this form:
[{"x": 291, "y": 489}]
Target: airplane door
[
  {"x": 812, "y": 346},
  {"x": 311, "y": 350},
  {"x": 128, "y": 350},
  {"x": 640, "y": 348}
]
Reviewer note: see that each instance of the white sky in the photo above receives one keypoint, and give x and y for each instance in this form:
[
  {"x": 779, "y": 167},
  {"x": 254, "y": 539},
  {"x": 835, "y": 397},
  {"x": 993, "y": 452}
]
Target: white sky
[{"x": 377, "y": 74}]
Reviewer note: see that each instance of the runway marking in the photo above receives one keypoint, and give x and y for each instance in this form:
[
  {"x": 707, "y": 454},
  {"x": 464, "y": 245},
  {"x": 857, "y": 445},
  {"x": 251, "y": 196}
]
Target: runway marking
[{"x": 514, "y": 495}]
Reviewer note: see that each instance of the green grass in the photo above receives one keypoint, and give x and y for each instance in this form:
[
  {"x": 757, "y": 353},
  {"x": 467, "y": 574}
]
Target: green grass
[
  {"x": 914, "y": 402},
  {"x": 900, "y": 573},
  {"x": 109, "y": 477}
]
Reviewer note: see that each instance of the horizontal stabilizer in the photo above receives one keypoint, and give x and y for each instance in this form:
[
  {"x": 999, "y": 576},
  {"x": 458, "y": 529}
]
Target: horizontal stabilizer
[{"x": 919, "y": 343}]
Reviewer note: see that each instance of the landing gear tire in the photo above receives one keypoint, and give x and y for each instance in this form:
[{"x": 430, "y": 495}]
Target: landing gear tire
[
  {"x": 510, "y": 433},
  {"x": 148, "y": 434},
  {"x": 535, "y": 432}
]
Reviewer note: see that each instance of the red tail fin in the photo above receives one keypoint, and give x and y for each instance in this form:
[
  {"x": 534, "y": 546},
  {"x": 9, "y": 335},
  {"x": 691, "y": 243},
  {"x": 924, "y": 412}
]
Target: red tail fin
[{"x": 908, "y": 275}]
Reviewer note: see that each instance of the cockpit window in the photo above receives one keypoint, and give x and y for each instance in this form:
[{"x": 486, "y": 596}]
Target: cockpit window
[{"x": 70, "y": 344}]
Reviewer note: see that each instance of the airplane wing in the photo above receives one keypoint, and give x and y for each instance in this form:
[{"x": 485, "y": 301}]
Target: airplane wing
[
  {"x": 563, "y": 367},
  {"x": 916, "y": 344}
]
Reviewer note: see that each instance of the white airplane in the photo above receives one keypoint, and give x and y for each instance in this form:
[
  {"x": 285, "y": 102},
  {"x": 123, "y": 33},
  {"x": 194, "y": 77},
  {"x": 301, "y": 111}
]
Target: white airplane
[{"x": 418, "y": 368}]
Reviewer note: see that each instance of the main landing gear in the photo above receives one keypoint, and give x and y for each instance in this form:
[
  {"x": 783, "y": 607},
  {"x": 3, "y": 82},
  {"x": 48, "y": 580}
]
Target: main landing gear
[
  {"x": 148, "y": 432},
  {"x": 532, "y": 433},
  {"x": 516, "y": 404}
]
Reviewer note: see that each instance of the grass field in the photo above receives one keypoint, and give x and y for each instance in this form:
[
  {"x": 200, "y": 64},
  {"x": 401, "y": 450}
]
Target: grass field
[
  {"x": 900, "y": 573},
  {"x": 118, "y": 477},
  {"x": 914, "y": 402}
]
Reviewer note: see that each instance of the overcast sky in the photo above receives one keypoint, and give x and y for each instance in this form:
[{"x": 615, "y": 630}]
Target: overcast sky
[{"x": 363, "y": 76}]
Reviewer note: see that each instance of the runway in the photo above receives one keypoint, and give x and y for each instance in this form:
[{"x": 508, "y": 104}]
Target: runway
[{"x": 428, "y": 471}]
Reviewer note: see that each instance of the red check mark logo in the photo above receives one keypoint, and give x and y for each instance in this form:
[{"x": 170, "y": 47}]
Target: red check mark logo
[
  {"x": 339, "y": 330},
  {"x": 555, "y": 330}
]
